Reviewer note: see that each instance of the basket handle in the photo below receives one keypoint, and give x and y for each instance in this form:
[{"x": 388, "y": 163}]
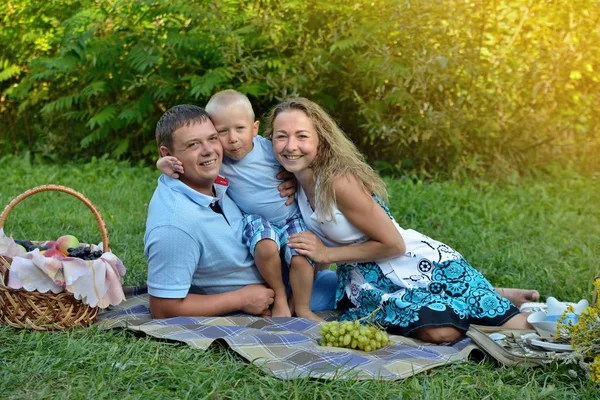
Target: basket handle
[{"x": 64, "y": 189}]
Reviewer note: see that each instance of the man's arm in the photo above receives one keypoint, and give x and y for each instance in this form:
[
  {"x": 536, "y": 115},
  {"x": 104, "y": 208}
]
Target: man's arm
[
  {"x": 251, "y": 299},
  {"x": 172, "y": 261}
]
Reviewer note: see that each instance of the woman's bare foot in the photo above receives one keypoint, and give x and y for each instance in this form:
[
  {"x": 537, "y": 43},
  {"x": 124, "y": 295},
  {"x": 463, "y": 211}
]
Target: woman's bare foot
[
  {"x": 308, "y": 314},
  {"x": 280, "y": 307},
  {"x": 519, "y": 296}
]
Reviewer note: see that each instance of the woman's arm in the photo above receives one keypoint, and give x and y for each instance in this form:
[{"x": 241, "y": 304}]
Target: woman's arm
[{"x": 365, "y": 214}]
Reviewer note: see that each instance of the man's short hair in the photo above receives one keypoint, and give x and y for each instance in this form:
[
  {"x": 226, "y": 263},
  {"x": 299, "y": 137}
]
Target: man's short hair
[
  {"x": 177, "y": 117},
  {"x": 226, "y": 98}
]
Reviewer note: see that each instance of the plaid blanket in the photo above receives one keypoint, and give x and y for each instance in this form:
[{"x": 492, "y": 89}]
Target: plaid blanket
[{"x": 287, "y": 347}]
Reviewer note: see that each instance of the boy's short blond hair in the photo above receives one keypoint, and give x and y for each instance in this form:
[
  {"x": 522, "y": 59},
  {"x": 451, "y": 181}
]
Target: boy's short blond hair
[{"x": 226, "y": 98}]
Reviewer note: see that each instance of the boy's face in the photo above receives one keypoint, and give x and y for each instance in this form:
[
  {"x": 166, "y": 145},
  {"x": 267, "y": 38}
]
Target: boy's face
[
  {"x": 198, "y": 147},
  {"x": 236, "y": 130}
]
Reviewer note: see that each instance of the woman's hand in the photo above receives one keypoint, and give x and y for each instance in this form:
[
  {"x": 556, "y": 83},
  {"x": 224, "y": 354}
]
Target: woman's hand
[{"x": 309, "y": 245}]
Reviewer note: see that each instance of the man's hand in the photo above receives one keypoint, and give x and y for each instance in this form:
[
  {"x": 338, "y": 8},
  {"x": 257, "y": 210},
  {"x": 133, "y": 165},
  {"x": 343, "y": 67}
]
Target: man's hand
[
  {"x": 288, "y": 187},
  {"x": 256, "y": 299}
]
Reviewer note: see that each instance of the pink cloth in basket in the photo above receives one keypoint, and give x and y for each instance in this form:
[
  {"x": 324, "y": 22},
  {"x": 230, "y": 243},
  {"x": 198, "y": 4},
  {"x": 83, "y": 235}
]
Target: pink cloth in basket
[{"x": 96, "y": 282}]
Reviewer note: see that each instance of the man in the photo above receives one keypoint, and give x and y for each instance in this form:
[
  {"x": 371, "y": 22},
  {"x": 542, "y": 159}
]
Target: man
[{"x": 198, "y": 264}]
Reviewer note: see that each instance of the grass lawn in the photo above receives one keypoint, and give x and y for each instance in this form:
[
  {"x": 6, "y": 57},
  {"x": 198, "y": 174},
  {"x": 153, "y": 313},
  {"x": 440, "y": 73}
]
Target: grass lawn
[{"x": 542, "y": 234}]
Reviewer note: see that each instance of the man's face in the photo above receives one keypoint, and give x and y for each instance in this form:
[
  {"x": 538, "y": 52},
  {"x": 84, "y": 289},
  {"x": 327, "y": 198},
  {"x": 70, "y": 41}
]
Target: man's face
[
  {"x": 198, "y": 147},
  {"x": 236, "y": 129}
]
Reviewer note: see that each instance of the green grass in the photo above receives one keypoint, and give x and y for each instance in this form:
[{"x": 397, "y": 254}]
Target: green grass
[{"x": 541, "y": 234}]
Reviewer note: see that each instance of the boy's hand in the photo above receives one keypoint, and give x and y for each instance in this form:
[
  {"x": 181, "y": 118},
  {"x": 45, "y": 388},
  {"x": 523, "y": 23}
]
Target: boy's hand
[
  {"x": 288, "y": 187},
  {"x": 170, "y": 166}
]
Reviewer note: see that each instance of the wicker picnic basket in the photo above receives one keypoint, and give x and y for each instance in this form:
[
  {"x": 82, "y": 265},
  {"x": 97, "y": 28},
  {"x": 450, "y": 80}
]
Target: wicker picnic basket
[{"x": 45, "y": 311}]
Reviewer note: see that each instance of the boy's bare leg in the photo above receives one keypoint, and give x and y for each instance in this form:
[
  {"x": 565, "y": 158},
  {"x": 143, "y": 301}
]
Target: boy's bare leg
[
  {"x": 301, "y": 280},
  {"x": 291, "y": 304},
  {"x": 519, "y": 296},
  {"x": 320, "y": 267},
  {"x": 266, "y": 257}
]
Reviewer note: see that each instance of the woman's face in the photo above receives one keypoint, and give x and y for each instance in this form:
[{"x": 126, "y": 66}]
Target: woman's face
[{"x": 295, "y": 140}]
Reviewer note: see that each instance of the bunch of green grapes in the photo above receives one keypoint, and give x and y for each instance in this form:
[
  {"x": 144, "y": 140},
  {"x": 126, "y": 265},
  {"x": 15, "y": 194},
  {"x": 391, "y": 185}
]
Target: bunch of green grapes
[{"x": 353, "y": 335}]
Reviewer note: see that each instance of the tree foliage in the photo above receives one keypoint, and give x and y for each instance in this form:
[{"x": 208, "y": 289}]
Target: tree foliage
[{"x": 448, "y": 87}]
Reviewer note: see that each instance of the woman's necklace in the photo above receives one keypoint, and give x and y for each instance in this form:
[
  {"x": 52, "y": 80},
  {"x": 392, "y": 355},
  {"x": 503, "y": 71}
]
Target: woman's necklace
[
  {"x": 307, "y": 182},
  {"x": 310, "y": 200}
]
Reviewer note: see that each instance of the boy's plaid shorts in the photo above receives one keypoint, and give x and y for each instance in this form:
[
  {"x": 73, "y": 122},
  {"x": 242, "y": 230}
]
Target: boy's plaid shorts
[{"x": 256, "y": 228}]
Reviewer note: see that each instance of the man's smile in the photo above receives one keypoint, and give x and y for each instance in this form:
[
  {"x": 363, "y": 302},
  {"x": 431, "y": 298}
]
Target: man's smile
[{"x": 208, "y": 163}]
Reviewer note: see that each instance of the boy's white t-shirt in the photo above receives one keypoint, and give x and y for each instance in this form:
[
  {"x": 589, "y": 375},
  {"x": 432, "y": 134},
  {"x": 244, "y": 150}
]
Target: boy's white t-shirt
[{"x": 253, "y": 183}]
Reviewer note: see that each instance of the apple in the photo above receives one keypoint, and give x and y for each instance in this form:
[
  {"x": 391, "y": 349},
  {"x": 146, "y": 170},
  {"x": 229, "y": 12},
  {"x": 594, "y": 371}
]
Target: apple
[
  {"x": 65, "y": 242},
  {"x": 22, "y": 248},
  {"x": 53, "y": 253},
  {"x": 51, "y": 244}
]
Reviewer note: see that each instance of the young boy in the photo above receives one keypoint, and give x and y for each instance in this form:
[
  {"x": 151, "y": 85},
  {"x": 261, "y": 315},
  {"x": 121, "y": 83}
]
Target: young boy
[{"x": 251, "y": 168}]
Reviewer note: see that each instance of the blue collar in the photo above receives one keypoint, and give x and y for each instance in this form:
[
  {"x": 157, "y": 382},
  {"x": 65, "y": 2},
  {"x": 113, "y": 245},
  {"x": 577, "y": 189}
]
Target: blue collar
[{"x": 201, "y": 199}]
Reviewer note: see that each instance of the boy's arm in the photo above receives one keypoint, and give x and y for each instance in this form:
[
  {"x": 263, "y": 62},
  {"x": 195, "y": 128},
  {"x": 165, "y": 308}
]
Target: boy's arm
[
  {"x": 251, "y": 299},
  {"x": 170, "y": 166}
]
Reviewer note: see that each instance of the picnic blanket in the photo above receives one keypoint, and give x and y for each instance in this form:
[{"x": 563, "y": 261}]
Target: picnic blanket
[{"x": 287, "y": 347}]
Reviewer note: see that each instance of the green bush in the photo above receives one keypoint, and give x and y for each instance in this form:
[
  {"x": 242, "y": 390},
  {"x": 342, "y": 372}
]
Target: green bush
[{"x": 452, "y": 87}]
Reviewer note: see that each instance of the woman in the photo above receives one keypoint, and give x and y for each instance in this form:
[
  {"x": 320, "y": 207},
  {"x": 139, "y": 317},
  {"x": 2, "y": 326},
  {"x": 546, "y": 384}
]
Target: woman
[{"x": 419, "y": 287}]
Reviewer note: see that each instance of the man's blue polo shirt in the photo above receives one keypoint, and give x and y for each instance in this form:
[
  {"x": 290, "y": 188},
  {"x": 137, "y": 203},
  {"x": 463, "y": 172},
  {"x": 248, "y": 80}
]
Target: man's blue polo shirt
[{"x": 189, "y": 244}]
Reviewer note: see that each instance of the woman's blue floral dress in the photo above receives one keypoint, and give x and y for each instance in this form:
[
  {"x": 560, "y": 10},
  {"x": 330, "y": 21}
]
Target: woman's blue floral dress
[{"x": 431, "y": 285}]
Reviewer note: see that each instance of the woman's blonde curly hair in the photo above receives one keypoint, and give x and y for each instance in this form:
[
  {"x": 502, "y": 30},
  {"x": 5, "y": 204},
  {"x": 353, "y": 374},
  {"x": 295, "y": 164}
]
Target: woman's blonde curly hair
[{"x": 336, "y": 156}]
